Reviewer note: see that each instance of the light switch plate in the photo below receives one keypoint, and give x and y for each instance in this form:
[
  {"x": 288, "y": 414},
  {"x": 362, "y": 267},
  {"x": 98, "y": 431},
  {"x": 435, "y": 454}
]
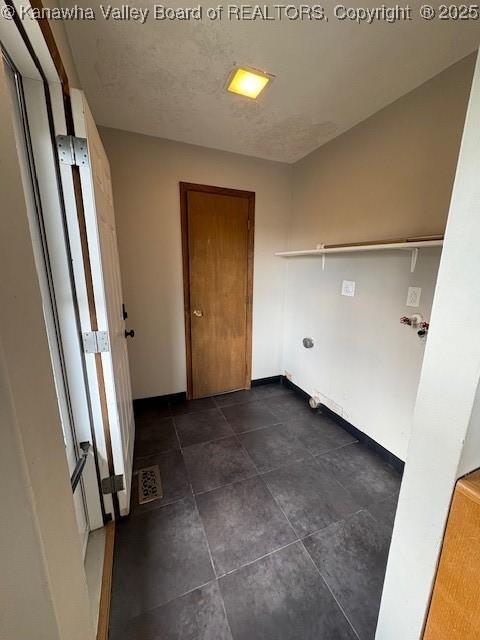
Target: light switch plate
[
  {"x": 413, "y": 296},
  {"x": 348, "y": 288}
]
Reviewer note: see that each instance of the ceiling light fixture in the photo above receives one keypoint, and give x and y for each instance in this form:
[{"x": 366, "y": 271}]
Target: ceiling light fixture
[{"x": 248, "y": 82}]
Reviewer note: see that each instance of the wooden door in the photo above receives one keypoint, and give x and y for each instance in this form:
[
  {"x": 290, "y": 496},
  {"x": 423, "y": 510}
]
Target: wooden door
[
  {"x": 107, "y": 285},
  {"x": 217, "y": 233}
]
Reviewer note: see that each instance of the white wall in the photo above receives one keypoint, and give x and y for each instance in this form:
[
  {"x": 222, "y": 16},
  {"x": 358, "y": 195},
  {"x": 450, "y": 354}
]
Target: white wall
[
  {"x": 446, "y": 408},
  {"x": 146, "y": 172},
  {"x": 364, "y": 364},
  {"x": 389, "y": 177}
]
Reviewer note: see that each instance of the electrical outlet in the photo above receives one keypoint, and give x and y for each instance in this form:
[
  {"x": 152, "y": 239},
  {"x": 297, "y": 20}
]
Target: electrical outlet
[
  {"x": 413, "y": 296},
  {"x": 348, "y": 288}
]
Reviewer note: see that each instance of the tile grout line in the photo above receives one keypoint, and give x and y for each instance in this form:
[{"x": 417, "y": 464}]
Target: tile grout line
[
  {"x": 330, "y": 590},
  {"x": 209, "y": 550},
  {"x": 227, "y": 484},
  {"x": 259, "y": 474},
  {"x": 330, "y": 524},
  {"x": 203, "y": 441},
  {"x": 183, "y": 458},
  {"x": 167, "y": 602},
  {"x": 271, "y": 494},
  {"x": 336, "y": 479},
  {"x": 207, "y": 543},
  {"x": 265, "y": 555},
  {"x": 297, "y": 539},
  {"x": 362, "y": 506},
  {"x": 218, "y": 577},
  {"x": 198, "y": 513},
  {"x": 241, "y": 433},
  {"x": 315, "y": 457},
  {"x": 340, "y": 446},
  {"x": 343, "y": 446},
  {"x": 236, "y": 436},
  {"x": 260, "y": 557},
  {"x": 309, "y": 458}
]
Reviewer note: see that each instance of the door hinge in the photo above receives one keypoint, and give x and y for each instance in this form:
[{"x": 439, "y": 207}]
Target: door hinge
[
  {"x": 112, "y": 484},
  {"x": 95, "y": 341},
  {"x": 72, "y": 151}
]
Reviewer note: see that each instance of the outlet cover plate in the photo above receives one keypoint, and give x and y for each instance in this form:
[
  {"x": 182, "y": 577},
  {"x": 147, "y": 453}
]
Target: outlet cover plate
[
  {"x": 348, "y": 288},
  {"x": 413, "y": 296}
]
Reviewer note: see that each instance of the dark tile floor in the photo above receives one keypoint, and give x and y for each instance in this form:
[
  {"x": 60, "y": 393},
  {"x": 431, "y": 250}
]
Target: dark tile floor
[{"x": 275, "y": 524}]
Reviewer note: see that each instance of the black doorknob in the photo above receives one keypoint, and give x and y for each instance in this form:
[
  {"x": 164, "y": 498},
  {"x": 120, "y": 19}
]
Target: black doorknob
[{"x": 130, "y": 333}]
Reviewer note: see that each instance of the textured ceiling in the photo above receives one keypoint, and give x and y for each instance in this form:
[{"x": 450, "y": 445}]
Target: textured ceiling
[{"x": 167, "y": 78}]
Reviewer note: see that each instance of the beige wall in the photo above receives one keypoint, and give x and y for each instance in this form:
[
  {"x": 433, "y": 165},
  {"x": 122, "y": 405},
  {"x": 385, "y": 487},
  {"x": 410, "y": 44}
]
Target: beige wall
[
  {"x": 390, "y": 176},
  {"x": 146, "y": 172}
]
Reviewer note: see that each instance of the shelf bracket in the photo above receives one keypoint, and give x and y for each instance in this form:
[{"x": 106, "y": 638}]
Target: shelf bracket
[
  {"x": 413, "y": 263},
  {"x": 323, "y": 262}
]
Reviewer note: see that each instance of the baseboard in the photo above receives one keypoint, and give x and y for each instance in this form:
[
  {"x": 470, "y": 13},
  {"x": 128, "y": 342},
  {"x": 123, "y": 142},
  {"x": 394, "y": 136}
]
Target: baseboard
[
  {"x": 166, "y": 399},
  {"x": 182, "y": 395},
  {"x": 295, "y": 388},
  {"x": 106, "y": 590},
  {"x": 270, "y": 380},
  {"x": 362, "y": 437}
]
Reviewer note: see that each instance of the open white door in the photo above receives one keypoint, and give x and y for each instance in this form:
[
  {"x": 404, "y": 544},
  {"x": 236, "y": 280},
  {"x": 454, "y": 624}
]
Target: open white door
[{"x": 107, "y": 290}]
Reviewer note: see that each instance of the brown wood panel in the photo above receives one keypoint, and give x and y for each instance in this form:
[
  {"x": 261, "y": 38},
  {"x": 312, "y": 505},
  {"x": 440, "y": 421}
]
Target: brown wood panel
[
  {"x": 217, "y": 234},
  {"x": 455, "y": 607},
  {"x": 384, "y": 241},
  {"x": 106, "y": 589}
]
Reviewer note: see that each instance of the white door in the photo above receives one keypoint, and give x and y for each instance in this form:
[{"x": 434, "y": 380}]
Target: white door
[
  {"x": 57, "y": 297},
  {"x": 104, "y": 259}
]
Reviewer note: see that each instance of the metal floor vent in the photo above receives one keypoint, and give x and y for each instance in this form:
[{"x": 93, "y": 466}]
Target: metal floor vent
[{"x": 149, "y": 484}]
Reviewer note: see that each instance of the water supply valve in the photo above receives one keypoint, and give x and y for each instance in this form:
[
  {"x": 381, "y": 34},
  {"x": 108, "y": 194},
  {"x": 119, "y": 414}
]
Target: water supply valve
[{"x": 416, "y": 321}]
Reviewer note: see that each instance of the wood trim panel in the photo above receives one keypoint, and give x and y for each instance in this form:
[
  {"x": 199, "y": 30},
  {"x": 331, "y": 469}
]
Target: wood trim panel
[
  {"x": 52, "y": 45},
  {"x": 470, "y": 486},
  {"x": 186, "y": 287},
  {"x": 106, "y": 590},
  {"x": 364, "y": 243},
  {"x": 454, "y": 612},
  {"x": 251, "y": 246},
  {"x": 185, "y": 187}
]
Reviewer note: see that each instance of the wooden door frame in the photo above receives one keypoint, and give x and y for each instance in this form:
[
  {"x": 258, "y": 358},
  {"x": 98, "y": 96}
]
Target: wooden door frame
[{"x": 185, "y": 187}]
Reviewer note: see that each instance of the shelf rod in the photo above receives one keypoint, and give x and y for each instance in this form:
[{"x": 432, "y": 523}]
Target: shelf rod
[{"x": 394, "y": 246}]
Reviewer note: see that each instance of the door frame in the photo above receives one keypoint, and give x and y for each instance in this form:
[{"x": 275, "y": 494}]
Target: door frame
[
  {"x": 33, "y": 48},
  {"x": 185, "y": 187}
]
